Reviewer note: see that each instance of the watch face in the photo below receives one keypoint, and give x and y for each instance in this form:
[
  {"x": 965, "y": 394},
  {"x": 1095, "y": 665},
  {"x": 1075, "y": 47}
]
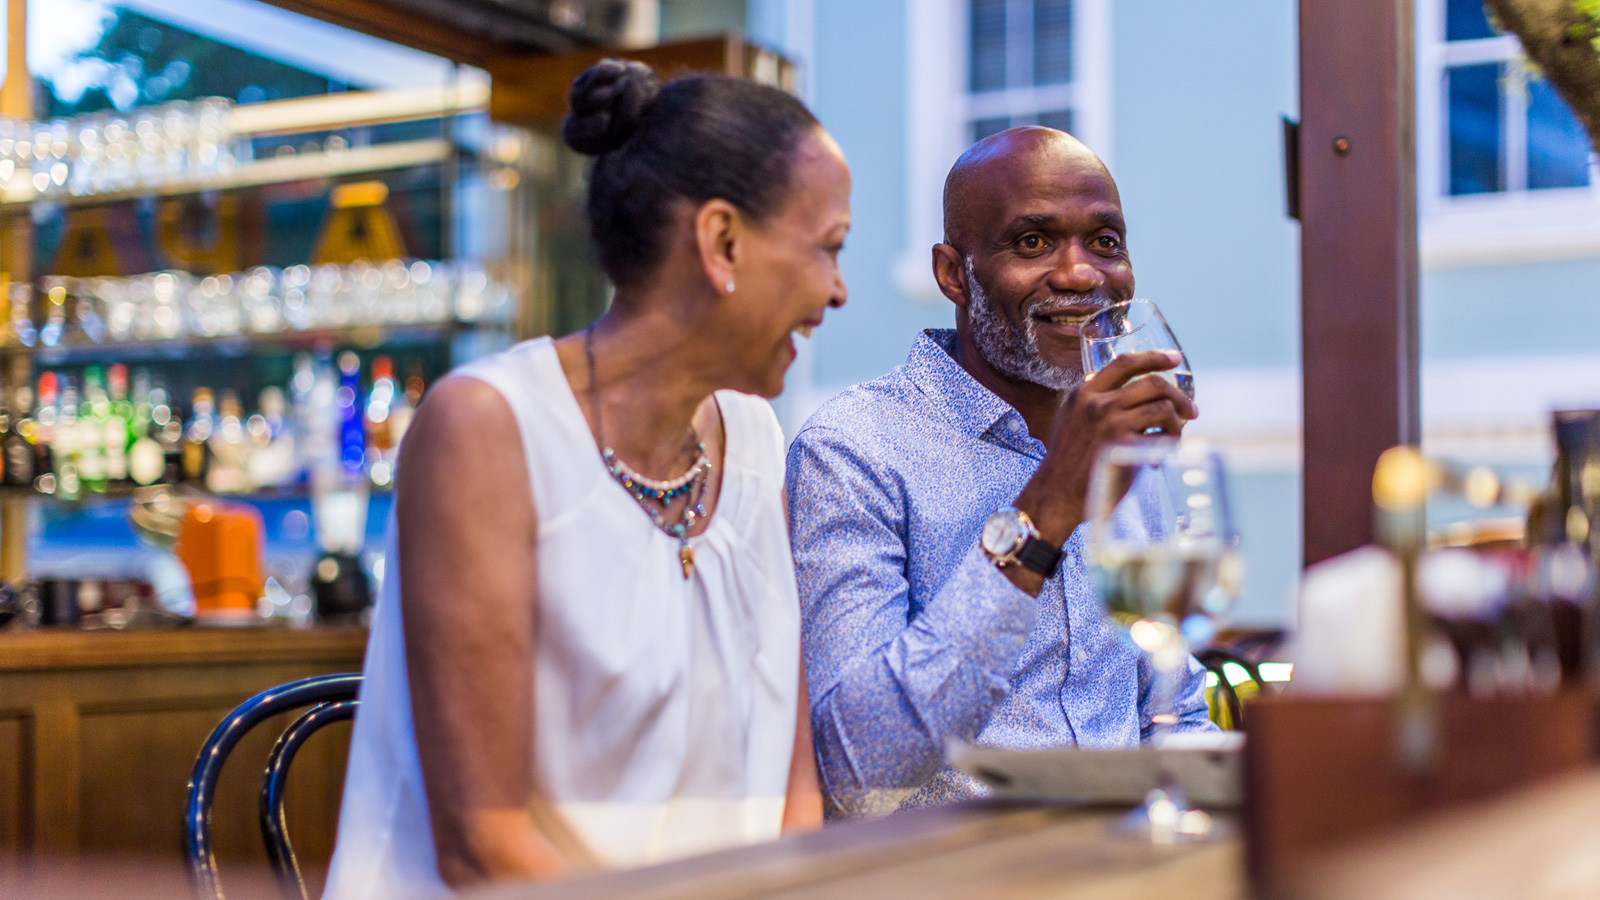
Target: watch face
[{"x": 1002, "y": 534}]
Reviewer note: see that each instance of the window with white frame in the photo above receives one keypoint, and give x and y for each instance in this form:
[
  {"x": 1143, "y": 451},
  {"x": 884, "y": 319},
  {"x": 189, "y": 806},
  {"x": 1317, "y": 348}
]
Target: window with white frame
[
  {"x": 1505, "y": 173},
  {"x": 1020, "y": 65},
  {"x": 1504, "y": 127},
  {"x": 1017, "y": 62}
]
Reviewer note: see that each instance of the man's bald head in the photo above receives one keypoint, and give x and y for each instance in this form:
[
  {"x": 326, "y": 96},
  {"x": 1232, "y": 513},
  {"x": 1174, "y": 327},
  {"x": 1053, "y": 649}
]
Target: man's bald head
[{"x": 1015, "y": 153}]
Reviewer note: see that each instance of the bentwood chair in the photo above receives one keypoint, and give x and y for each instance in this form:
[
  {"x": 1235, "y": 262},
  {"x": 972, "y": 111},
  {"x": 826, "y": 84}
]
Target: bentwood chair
[
  {"x": 332, "y": 698},
  {"x": 1217, "y": 660}
]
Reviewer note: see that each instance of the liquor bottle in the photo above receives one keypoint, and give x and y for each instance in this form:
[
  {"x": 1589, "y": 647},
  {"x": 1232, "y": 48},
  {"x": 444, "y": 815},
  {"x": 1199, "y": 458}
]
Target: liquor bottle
[
  {"x": 118, "y": 427},
  {"x": 228, "y": 472},
  {"x": 44, "y": 466},
  {"x": 146, "y": 459},
  {"x": 166, "y": 427},
  {"x": 69, "y": 482},
  {"x": 93, "y": 413},
  {"x": 352, "y": 433},
  {"x": 16, "y": 444},
  {"x": 379, "y": 411},
  {"x": 196, "y": 435},
  {"x": 272, "y": 453}
]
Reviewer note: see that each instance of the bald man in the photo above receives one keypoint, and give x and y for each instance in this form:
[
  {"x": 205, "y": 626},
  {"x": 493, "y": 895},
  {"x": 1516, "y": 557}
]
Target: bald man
[{"x": 935, "y": 511}]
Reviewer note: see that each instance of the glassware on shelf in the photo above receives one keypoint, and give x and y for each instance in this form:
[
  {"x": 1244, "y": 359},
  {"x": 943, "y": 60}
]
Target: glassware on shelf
[
  {"x": 20, "y": 329},
  {"x": 1163, "y": 551}
]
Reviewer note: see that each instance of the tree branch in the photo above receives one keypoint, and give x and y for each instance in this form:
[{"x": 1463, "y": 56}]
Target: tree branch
[{"x": 1562, "y": 39}]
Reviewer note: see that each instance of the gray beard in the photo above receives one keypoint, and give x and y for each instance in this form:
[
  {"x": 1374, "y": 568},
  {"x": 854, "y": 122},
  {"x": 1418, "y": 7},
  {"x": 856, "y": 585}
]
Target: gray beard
[{"x": 1008, "y": 350}]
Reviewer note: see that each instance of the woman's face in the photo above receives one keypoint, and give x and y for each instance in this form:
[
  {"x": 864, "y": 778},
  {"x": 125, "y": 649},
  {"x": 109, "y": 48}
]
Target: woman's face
[{"x": 789, "y": 271}]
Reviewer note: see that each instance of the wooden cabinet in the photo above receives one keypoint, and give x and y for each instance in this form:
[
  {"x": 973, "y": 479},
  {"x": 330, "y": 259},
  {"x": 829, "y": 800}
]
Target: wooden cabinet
[{"x": 99, "y": 732}]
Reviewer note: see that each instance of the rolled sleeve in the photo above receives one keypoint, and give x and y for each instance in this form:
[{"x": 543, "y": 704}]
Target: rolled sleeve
[{"x": 888, "y": 686}]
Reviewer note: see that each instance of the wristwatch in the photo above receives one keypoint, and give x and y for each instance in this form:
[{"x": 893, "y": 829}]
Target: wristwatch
[{"x": 1009, "y": 539}]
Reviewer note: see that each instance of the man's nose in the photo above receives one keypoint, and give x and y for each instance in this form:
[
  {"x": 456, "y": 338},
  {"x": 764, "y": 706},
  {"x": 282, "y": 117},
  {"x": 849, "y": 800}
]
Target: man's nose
[
  {"x": 1076, "y": 272},
  {"x": 840, "y": 292}
]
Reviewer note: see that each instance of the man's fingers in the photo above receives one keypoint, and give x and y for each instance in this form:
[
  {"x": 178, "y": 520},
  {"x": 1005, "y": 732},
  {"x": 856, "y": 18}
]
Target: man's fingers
[
  {"x": 1162, "y": 414},
  {"x": 1151, "y": 388},
  {"x": 1128, "y": 366}
]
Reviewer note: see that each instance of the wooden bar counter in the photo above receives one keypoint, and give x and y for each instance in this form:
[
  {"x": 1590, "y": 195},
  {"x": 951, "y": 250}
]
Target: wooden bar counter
[
  {"x": 982, "y": 851},
  {"x": 99, "y": 732}
]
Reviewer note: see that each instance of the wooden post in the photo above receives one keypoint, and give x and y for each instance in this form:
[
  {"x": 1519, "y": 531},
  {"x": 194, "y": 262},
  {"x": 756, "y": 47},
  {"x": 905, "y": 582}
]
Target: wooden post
[
  {"x": 1358, "y": 214},
  {"x": 16, "y": 260}
]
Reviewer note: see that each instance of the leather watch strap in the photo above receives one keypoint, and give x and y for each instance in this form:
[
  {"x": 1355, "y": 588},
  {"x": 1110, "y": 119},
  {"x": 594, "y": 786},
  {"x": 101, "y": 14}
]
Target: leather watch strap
[{"x": 1039, "y": 556}]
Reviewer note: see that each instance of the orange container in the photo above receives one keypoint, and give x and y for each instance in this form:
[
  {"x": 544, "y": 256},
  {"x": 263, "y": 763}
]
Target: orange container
[{"x": 220, "y": 544}]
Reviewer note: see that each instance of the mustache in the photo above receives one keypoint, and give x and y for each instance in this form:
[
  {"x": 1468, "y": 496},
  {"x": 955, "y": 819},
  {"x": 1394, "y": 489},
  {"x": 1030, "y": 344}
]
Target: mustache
[{"x": 1061, "y": 303}]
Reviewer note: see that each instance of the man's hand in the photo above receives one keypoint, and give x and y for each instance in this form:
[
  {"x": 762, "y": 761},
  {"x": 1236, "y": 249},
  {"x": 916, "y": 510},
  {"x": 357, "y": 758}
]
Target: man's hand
[{"x": 1114, "y": 404}]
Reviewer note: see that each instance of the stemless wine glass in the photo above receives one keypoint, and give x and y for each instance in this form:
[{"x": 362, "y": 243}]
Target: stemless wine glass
[
  {"x": 1131, "y": 327},
  {"x": 1163, "y": 551}
]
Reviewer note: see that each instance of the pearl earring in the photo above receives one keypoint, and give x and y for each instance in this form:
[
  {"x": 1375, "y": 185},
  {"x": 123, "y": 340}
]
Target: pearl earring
[{"x": 730, "y": 285}]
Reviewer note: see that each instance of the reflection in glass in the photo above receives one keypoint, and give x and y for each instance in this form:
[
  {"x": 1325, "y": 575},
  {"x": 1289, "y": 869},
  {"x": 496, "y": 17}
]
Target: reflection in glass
[
  {"x": 1467, "y": 20},
  {"x": 1474, "y": 115},
  {"x": 1558, "y": 148},
  {"x": 1052, "y": 42},
  {"x": 988, "y": 45}
]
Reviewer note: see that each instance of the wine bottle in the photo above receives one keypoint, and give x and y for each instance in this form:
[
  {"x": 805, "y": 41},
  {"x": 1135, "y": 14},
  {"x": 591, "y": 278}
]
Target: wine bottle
[
  {"x": 44, "y": 466},
  {"x": 196, "y": 435},
  {"x": 67, "y": 455},
  {"x": 146, "y": 459}
]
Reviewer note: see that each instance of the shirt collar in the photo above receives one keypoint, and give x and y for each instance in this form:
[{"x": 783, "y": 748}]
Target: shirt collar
[{"x": 971, "y": 407}]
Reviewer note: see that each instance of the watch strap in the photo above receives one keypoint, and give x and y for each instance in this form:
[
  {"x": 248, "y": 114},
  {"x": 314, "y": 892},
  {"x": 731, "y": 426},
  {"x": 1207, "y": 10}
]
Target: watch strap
[{"x": 1039, "y": 556}]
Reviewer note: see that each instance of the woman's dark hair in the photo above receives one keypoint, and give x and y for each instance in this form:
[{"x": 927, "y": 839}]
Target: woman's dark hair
[{"x": 694, "y": 139}]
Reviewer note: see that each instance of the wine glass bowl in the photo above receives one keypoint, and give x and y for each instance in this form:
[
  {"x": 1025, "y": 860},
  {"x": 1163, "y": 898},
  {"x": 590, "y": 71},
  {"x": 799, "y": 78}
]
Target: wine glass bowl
[{"x": 1133, "y": 326}]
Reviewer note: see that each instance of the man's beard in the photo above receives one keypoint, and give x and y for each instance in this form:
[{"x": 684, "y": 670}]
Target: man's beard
[{"x": 1009, "y": 350}]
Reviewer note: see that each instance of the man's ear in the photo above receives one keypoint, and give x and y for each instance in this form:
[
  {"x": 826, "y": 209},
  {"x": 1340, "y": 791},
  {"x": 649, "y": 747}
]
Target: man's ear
[
  {"x": 718, "y": 231},
  {"x": 950, "y": 271}
]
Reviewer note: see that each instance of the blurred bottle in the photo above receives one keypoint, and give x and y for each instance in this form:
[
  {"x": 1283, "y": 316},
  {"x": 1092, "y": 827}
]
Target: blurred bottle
[
  {"x": 352, "y": 432},
  {"x": 93, "y": 415},
  {"x": 16, "y": 443},
  {"x": 272, "y": 441},
  {"x": 118, "y": 436},
  {"x": 44, "y": 466},
  {"x": 147, "y": 460},
  {"x": 1560, "y": 533},
  {"x": 197, "y": 436},
  {"x": 382, "y": 401},
  {"x": 64, "y": 448},
  {"x": 166, "y": 427},
  {"x": 228, "y": 472}
]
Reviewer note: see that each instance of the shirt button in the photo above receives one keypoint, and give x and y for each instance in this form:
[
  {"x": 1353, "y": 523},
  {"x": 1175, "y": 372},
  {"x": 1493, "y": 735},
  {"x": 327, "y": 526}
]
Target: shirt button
[{"x": 1071, "y": 560}]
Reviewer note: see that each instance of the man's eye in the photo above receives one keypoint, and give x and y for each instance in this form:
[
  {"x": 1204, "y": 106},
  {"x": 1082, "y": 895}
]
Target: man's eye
[
  {"x": 1030, "y": 242},
  {"x": 1108, "y": 242}
]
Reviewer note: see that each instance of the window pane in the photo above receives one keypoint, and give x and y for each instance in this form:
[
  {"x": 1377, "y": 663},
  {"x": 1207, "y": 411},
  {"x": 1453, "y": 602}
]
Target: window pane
[
  {"x": 1466, "y": 20},
  {"x": 1052, "y": 41},
  {"x": 982, "y": 128},
  {"x": 1060, "y": 120},
  {"x": 988, "y": 45},
  {"x": 1474, "y": 98},
  {"x": 1558, "y": 148}
]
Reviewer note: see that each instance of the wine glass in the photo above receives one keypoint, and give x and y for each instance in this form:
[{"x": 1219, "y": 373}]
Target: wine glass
[
  {"x": 1164, "y": 556},
  {"x": 1132, "y": 326}
]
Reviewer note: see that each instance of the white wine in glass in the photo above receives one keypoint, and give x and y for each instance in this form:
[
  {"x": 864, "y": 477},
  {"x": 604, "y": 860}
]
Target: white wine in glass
[
  {"x": 1133, "y": 326},
  {"x": 1163, "y": 552}
]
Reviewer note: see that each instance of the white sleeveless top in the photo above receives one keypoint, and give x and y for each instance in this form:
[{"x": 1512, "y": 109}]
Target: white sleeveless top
[{"x": 664, "y": 708}]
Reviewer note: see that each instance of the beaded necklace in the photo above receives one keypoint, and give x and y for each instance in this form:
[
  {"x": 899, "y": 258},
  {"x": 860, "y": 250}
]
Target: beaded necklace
[{"x": 655, "y": 496}]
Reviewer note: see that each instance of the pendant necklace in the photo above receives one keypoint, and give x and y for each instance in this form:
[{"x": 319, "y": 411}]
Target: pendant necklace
[{"x": 654, "y": 497}]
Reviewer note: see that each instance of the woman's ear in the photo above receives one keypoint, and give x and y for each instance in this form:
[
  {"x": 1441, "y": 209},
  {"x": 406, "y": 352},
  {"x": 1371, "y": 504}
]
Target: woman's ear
[{"x": 718, "y": 231}]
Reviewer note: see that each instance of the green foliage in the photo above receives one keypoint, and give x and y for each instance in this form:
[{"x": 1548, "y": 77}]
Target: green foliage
[
  {"x": 166, "y": 63},
  {"x": 1589, "y": 9}
]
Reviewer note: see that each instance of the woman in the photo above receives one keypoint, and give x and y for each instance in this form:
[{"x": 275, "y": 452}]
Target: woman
[{"x": 591, "y": 655}]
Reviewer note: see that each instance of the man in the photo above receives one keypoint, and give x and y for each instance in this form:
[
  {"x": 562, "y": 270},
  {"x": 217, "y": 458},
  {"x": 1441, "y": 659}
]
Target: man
[{"x": 914, "y": 631}]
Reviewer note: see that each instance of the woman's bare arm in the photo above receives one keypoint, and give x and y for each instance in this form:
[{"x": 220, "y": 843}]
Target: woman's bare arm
[
  {"x": 802, "y": 808},
  {"x": 468, "y": 599}
]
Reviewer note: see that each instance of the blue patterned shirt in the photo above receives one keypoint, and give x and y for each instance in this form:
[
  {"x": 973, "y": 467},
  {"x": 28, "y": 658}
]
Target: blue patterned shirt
[{"x": 911, "y": 635}]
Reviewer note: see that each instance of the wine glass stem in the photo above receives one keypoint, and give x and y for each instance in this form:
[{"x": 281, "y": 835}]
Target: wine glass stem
[{"x": 1164, "y": 666}]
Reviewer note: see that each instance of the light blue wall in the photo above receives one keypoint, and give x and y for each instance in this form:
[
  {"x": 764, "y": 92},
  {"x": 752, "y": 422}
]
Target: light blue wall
[
  {"x": 1528, "y": 309},
  {"x": 859, "y": 93},
  {"x": 1198, "y": 92}
]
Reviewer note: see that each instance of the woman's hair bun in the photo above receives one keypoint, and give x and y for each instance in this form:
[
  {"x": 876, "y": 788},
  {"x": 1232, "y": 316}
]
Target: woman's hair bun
[{"x": 606, "y": 104}]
